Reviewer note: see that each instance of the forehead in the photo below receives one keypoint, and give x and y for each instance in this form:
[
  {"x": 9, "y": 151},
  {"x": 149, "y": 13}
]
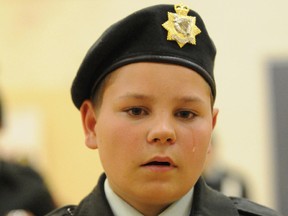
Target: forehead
[{"x": 148, "y": 77}]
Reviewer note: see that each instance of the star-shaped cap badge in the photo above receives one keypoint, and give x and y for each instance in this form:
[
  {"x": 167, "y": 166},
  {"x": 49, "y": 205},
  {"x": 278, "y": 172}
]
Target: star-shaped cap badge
[{"x": 181, "y": 27}]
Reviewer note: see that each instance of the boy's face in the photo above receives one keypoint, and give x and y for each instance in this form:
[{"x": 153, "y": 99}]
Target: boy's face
[{"x": 152, "y": 131}]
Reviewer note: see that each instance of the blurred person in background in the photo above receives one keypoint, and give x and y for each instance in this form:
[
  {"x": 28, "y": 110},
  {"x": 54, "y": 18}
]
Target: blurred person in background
[
  {"x": 223, "y": 178},
  {"x": 22, "y": 190}
]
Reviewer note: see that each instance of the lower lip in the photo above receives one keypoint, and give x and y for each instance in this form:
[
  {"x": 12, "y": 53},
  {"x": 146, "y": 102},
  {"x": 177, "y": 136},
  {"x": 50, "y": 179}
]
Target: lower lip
[{"x": 155, "y": 168}]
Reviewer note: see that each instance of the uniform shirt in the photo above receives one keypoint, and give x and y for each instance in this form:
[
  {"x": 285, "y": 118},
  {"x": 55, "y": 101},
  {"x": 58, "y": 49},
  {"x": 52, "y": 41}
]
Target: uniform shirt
[
  {"x": 121, "y": 208},
  {"x": 206, "y": 202}
]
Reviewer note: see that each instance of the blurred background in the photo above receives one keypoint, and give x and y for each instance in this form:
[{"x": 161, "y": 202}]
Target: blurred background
[{"x": 42, "y": 44}]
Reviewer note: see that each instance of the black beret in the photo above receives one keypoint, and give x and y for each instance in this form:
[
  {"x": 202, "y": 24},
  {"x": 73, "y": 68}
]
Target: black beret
[{"x": 149, "y": 35}]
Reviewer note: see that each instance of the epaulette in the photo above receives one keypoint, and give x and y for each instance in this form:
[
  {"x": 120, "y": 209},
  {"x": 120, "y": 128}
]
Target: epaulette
[
  {"x": 63, "y": 211},
  {"x": 246, "y": 207}
]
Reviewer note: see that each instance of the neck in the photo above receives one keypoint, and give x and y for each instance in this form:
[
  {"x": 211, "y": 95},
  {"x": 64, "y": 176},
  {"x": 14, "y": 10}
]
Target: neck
[{"x": 150, "y": 210}]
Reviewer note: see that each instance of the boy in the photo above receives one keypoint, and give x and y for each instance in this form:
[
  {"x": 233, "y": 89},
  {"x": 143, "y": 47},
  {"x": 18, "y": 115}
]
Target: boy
[{"x": 146, "y": 94}]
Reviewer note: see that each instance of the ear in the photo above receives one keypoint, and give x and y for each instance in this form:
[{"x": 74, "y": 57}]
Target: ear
[
  {"x": 89, "y": 122},
  {"x": 214, "y": 118}
]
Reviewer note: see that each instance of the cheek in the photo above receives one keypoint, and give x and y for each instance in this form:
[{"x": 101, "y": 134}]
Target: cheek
[
  {"x": 117, "y": 142},
  {"x": 197, "y": 143}
]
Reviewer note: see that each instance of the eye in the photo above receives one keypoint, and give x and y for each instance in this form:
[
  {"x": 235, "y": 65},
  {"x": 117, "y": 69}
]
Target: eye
[
  {"x": 136, "y": 111},
  {"x": 185, "y": 114}
]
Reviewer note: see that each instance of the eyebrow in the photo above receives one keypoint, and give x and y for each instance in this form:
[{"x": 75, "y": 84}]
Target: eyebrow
[
  {"x": 136, "y": 96},
  {"x": 184, "y": 99},
  {"x": 191, "y": 99}
]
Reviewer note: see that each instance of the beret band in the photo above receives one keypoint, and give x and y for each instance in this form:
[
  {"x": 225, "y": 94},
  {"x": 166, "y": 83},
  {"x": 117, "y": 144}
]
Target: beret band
[
  {"x": 159, "y": 59},
  {"x": 140, "y": 37}
]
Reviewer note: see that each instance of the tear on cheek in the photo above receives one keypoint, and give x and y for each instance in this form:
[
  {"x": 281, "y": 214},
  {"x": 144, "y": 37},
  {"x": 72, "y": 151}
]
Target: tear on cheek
[{"x": 193, "y": 148}]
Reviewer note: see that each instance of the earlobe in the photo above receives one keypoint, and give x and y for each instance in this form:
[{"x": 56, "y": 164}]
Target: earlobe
[{"x": 89, "y": 122}]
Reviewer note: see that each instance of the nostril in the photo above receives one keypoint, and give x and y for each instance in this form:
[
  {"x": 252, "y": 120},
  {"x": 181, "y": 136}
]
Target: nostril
[
  {"x": 161, "y": 137},
  {"x": 163, "y": 141},
  {"x": 156, "y": 140},
  {"x": 169, "y": 140}
]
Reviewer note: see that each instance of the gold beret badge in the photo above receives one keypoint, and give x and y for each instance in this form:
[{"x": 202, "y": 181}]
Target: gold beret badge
[{"x": 181, "y": 27}]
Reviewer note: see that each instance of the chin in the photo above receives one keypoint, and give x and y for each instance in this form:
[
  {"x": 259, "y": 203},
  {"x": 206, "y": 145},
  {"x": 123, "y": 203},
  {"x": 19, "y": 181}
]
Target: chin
[{"x": 163, "y": 195}]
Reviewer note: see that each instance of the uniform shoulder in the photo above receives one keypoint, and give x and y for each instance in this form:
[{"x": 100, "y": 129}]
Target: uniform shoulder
[
  {"x": 64, "y": 211},
  {"x": 246, "y": 207}
]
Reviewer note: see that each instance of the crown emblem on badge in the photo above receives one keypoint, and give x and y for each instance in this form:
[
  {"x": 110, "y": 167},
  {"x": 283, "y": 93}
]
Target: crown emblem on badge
[{"x": 181, "y": 27}]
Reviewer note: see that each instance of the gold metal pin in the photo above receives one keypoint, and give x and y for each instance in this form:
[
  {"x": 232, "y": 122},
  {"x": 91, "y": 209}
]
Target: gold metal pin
[{"x": 181, "y": 27}]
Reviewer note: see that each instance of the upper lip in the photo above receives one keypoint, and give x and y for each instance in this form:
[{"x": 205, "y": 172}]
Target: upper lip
[{"x": 160, "y": 160}]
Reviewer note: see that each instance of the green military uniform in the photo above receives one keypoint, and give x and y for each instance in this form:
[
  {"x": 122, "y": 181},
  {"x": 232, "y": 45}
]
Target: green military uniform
[{"x": 206, "y": 202}]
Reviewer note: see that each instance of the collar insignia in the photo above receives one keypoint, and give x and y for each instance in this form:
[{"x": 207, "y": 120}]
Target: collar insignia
[{"x": 181, "y": 27}]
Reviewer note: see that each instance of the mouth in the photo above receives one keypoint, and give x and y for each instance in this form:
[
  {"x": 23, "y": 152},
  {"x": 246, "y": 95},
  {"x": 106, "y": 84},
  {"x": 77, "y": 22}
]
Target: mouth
[
  {"x": 164, "y": 163},
  {"x": 157, "y": 163}
]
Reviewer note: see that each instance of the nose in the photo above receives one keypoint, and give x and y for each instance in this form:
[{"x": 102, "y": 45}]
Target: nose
[{"x": 162, "y": 132}]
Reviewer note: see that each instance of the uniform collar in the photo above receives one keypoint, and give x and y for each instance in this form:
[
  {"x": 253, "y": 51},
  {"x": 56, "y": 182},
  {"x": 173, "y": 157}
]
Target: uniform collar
[
  {"x": 208, "y": 202},
  {"x": 121, "y": 208}
]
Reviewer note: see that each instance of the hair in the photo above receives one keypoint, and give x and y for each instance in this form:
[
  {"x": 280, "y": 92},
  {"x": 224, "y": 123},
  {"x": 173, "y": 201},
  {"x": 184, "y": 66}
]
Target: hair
[{"x": 98, "y": 92}]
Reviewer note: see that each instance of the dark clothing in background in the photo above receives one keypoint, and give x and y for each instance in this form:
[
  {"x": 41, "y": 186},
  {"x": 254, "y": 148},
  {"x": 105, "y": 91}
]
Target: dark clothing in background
[
  {"x": 227, "y": 182},
  {"x": 22, "y": 188}
]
